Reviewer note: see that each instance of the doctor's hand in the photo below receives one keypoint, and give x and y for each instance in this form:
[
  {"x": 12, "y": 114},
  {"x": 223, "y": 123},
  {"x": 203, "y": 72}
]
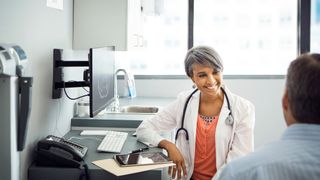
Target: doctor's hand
[{"x": 177, "y": 158}]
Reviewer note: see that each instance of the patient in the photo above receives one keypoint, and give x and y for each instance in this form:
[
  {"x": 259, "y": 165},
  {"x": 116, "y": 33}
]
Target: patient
[{"x": 296, "y": 155}]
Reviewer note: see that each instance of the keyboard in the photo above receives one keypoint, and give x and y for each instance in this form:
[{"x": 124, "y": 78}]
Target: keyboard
[
  {"x": 113, "y": 141},
  {"x": 93, "y": 132}
]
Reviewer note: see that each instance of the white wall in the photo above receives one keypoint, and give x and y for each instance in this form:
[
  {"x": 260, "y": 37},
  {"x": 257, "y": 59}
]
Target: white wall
[
  {"x": 38, "y": 29},
  {"x": 265, "y": 94}
]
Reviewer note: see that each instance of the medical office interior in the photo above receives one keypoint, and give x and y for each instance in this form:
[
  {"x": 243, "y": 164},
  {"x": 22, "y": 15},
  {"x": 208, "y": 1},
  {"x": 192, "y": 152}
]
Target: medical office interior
[{"x": 256, "y": 39}]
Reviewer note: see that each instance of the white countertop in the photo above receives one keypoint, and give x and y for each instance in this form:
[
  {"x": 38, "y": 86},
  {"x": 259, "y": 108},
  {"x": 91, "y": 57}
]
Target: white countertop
[{"x": 116, "y": 119}]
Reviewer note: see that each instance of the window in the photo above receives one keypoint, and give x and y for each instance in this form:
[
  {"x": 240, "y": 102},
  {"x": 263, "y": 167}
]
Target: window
[
  {"x": 165, "y": 42},
  {"x": 315, "y": 26},
  {"x": 253, "y": 37}
]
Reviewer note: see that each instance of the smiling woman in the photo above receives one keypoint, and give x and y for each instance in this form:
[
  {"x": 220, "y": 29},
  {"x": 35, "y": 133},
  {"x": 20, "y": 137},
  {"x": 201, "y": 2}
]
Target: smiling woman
[
  {"x": 195, "y": 152},
  {"x": 206, "y": 79}
]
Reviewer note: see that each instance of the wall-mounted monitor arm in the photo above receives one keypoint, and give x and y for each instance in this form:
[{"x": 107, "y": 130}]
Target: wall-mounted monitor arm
[{"x": 57, "y": 81}]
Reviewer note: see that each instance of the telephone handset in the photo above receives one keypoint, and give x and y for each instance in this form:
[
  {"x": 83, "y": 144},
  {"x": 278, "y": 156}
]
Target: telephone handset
[{"x": 56, "y": 151}]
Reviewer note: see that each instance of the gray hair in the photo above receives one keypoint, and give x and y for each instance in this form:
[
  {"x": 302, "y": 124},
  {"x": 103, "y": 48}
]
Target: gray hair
[{"x": 202, "y": 55}]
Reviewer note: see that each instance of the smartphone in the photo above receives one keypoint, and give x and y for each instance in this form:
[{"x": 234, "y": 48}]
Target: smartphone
[{"x": 142, "y": 158}]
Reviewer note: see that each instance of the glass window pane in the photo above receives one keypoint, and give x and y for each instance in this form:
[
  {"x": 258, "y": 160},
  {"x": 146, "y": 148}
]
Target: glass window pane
[
  {"x": 255, "y": 37},
  {"x": 315, "y": 26}
]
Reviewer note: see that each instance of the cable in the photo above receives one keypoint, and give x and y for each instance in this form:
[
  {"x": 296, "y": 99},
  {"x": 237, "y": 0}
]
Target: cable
[
  {"x": 86, "y": 172},
  {"x": 85, "y": 89},
  {"x": 76, "y": 97},
  {"x": 82, "y": 87},
  {"x": 56, "y": 129},
  {"x": 65, "y": 92}
]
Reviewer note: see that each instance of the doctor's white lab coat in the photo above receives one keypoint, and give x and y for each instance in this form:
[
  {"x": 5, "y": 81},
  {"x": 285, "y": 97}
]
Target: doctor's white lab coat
[{"x": 232, "y": 141}]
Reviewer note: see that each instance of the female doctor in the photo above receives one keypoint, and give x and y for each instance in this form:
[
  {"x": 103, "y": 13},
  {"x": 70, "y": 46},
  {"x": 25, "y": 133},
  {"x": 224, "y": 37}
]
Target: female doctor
[{"x": 213, "y": 125}]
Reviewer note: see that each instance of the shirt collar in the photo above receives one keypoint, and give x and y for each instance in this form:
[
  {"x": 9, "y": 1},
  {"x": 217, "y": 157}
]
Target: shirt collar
[{"x": 300, "y": 131}]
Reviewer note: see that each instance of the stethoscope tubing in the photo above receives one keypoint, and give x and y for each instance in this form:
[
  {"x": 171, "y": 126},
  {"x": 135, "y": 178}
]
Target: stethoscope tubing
[
  {"x": 183, "y": 116},
  {"x": 229, "y": 120}
]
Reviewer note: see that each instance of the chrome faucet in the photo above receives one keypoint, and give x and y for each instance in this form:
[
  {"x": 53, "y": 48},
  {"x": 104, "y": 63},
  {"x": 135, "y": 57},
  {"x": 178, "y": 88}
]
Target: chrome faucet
[{"x": 116, "y": 104}]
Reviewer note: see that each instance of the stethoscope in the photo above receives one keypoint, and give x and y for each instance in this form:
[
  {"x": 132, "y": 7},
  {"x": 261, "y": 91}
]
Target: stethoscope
[{"x": 229, "y": 120}]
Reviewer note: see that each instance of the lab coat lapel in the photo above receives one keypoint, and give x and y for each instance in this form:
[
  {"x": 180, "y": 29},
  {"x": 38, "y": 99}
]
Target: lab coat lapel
[
  {"x": 224, "y": 110},
  {"x": 223, "y": 133}
]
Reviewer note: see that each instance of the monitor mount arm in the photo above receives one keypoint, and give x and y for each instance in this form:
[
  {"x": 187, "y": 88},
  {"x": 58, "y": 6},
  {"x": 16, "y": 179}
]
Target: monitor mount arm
[{"x": 57, "y": 81}]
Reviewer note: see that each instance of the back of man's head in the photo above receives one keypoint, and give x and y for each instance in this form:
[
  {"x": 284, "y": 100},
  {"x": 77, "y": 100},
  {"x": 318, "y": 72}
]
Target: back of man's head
[{"x": 303, "y": 86}]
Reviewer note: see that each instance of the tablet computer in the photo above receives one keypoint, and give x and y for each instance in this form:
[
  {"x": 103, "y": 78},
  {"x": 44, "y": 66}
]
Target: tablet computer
[{"x": 142, "y": 158}]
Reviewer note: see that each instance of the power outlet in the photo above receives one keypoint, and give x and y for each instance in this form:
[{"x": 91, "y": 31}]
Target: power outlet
[{"x": 57, "y": 4}]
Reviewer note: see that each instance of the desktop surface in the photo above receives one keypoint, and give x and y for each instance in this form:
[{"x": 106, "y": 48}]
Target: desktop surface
[{"x": 92, "y": 142}]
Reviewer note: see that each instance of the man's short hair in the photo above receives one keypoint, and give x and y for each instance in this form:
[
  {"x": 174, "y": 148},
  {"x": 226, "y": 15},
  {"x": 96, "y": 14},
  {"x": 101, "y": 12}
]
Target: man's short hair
[{"x": 303, "y": 85}]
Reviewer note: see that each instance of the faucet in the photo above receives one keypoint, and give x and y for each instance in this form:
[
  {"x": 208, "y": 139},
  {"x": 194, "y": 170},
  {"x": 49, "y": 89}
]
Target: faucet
[{"x": 116, "y": 104}]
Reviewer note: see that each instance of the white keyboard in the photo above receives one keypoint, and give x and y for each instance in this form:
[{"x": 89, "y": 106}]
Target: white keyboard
[
  {"x": 93, "y": 132},
  {"x": 113, "y": 141}
]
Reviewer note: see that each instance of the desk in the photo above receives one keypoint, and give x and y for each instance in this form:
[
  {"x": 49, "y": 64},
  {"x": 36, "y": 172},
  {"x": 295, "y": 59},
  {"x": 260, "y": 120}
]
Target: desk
[{"x": 95, "y": 172}]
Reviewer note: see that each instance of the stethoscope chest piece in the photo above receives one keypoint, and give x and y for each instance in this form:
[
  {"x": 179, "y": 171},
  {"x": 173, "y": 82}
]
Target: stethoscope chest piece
[{"x": 229, "y": 120}]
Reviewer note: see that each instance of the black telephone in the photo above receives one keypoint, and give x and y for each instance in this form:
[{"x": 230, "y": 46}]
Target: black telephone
[{"x": 56, "y": 151}]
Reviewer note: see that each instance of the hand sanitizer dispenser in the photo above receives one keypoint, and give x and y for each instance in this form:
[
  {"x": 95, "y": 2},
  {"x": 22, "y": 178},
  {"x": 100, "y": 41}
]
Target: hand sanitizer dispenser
[
  {"x": 129, "y": 80},
  {"x": 15, "y": 103}
]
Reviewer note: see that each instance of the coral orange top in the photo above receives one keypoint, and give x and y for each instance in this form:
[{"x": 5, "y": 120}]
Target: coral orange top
[{"x": 205, "y": 152}]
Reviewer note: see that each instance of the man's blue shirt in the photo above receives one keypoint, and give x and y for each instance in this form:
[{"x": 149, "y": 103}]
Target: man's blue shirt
[{"x": 296, "y": 156}]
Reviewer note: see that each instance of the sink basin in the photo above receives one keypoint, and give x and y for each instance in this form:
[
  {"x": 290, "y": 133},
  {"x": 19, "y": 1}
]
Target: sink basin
[
  {"x": 139, "y": 109},
  {"x": 136, "y": 109}
]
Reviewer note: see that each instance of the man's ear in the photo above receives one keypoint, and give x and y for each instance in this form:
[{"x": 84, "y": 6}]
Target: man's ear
[{"x": 285, "y": 101}]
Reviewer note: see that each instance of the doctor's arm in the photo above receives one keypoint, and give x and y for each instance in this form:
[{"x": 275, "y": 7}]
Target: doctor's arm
[
  {"x": 176, "y": 157},
  {"x": 150, "y": 130}
]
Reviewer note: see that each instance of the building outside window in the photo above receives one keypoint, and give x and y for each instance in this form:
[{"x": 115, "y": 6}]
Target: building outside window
[
  {"x": 315, "y": 26},
  {"x": 253, "y": 37}
]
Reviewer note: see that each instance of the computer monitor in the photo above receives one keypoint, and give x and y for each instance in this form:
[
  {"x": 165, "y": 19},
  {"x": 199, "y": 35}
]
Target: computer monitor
[{"x": 101, "y": 72}]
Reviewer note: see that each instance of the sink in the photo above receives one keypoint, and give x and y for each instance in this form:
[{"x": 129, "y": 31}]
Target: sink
[
  {"x": 139, "y": 109},
  {"x": 136, "y": 109}
]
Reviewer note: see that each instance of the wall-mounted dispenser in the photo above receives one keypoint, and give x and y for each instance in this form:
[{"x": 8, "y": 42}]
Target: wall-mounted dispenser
[
  {"x": 130, "y": 84},
  {"x": 15, "y": 107}
]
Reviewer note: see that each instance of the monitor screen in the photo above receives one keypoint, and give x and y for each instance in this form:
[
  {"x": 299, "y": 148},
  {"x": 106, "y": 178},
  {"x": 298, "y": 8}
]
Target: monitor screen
[{"x": 102, "y": 69}]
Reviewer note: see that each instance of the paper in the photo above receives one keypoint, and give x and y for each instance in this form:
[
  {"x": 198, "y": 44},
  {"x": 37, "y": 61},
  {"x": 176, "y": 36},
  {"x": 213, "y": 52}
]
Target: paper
[{"x": 111, "y": 166}]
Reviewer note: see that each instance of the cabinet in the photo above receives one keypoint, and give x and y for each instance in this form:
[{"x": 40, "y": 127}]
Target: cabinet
[
  {"x": 135, "y": 25},
  {"x": 108, "y": 22}
]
